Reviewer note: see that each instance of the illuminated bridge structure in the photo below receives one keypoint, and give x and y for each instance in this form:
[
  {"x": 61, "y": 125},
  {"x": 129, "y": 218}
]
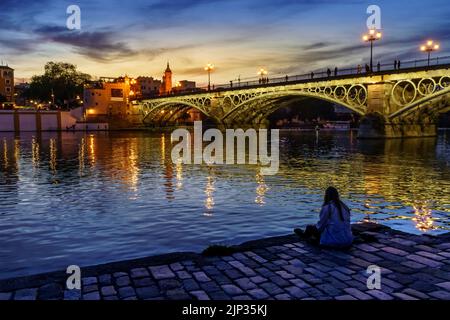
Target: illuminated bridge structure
[{"x": 392, "y": 103}]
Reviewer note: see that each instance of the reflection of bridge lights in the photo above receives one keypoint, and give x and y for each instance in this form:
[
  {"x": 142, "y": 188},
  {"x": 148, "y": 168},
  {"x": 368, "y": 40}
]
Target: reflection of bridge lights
[
  {"x": 179, "y": 169},
  {"x": 163, "y": 147},
  {"x": 53, "y": 157},
  {"x": 261, "y": 189},
  {"x": 35, "y": 152},
  {"x": 92, "y": 149},
  {"x": 5, "y": 153},
  {"x": 81, "y": 156},
  {"x": 209, "y": 191},
  {"x": 423, "y": 216}
]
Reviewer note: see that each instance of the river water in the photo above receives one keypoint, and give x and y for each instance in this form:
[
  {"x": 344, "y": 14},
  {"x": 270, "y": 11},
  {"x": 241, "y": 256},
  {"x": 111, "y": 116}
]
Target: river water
[{"x": 85, "y": 199}]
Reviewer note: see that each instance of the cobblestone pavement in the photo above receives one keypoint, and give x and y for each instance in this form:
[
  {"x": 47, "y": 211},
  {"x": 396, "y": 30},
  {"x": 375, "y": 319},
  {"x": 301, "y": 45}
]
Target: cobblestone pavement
[{"x": 412, "y": 267}]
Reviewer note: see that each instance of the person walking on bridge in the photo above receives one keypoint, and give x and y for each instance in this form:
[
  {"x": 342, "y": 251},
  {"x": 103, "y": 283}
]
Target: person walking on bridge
[
  {"x": 329, "y": 72},
  {"x": 336, "y": 71}
]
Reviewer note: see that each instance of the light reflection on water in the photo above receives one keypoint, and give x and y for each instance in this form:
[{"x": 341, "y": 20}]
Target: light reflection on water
[{"x": 92, "y": 198}]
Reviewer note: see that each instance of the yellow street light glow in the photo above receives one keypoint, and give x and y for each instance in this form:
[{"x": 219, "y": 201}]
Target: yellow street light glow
[
  {"x": 430, "y": 43},
  {"x": 429, "y": 47},
  {"x": 209, "y": 67},
  {"x": 131, "y": 93},
  {"x": 262, "y": 72}
]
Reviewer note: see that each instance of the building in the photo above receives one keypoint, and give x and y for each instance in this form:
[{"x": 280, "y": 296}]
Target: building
[
  {"x": 185, "y": 86},
  {"x": 166, "y": 86},
  {"x": 19, "y": 93},
  {"x": 148, "y": 86},
  {"x": 6, "y": 85},
  {"x": 108, "y": 97}
]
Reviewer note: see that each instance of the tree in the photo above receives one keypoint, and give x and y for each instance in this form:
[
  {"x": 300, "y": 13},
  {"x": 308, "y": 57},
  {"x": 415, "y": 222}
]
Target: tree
[{"x": 60, "y": 79}]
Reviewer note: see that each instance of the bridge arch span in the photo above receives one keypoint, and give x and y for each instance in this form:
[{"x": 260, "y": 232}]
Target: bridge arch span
[{"x": 331, "y": 97}]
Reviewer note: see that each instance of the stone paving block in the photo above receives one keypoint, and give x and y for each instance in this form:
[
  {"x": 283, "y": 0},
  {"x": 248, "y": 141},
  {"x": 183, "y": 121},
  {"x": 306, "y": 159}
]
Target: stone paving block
[
  {"x": 430, "y": 255},
  {"x": 169, "y": 284},
  {"x": 232, "y": 290},
  {"x": 90, "y": 288},
  {"x": 300, "y": 283},
  {"x": 271, "y": 288},
  {"x": 395, "y": 251},
  {"x": 346, "y": 298},
  {"x": 72, "y": 294},
  {"x": 233, "y": 273},
  {"x": 444, "y": 285},
  {"x": 340, "y": 276},
  {"x": 183, "y": 275},
  {"x": 358, "y": 294},
  {"x": 92, "y": 296},
  {"x": 108, "y": 291},
  {"x": 413, "y": 265},
  {"x": 222, "y": 279},
  {"x": 147, "y": 292},
  {"x": 139, "y": 273},
  {"x": 258, "y": 279},
  {"x": 88, "y": 281},
  {"x": 242, "y": 298},
  {"x": 218, "y": 295},
  {"x": 119, "y": 274},
  {"x": 105, "y": 279},
  {"x": 285, "y": 275},
  {"x": 296, "y": 292},
  {"x": 190, "y": 285},
  {"x": 245, "y": 283},
  {"x": 367, "y": 247},
  {"x": 242, "y": 268},
  {"x": 143, "y": 282},
  {"x": 178, "y": 294},
  {"x": 256, "y": 257},
  {"x": 210, "y": 286},
  {"x": 380, "y": 295},
  {"x": 279, "y": 281},
  {"x": 123, "y": 281},
  {"x": 176, "y": 266},
  {"x": 440, "y": 294},
  {"x": 200, "y": 295},
  {"x": 126, "y": 292},
  {"x": 258, "y": 294},
  {"x": 201, "y": 277},
  {"x": 283, "y": 297},
  {"x": 329, "y": 289},
  {"x": 415, "y": 293},
  {"x": 403, "y": 296},
  {"x": 161, "y": 272},
  {"x": 423, "y": 260}
]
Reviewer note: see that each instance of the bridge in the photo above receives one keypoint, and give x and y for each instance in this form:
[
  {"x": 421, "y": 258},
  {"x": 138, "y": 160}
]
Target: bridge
[{"x": 393, "y": 102}]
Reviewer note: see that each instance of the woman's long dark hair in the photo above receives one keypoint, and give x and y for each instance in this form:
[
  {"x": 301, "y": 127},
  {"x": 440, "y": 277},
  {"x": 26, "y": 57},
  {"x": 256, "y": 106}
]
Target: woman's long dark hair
[{"x": 332, "y": 195}]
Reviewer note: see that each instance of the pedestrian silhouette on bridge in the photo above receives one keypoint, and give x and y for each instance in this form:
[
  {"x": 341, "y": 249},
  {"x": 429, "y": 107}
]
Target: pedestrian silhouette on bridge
[
  {"x": 336, "y": 71},
  {"x": 329, "y": 72},
  {"x": 379, "y": 66},
  {"x": 334, "y": 228},
  {"x": 367, "y": 68},
  {"x": 287, "y": 78},
  {"x": 359, "y": 69},
  {"x": 395, "y": 65},
  {"x": 312, "y": 75},
  {"x": 398, "y": 64}
]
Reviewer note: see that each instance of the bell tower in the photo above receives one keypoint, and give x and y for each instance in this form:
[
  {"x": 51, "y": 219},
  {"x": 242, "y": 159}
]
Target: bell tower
[{"x": 166, "y": 86}]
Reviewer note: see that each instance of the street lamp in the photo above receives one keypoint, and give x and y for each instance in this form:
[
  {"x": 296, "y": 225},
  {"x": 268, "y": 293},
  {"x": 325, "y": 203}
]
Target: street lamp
[
  {"x": 209, "y": 67},
  {"x": 262, "y": 73},
  {"x": 372, "y": 36},
  {"x": 429, "y": 48}
]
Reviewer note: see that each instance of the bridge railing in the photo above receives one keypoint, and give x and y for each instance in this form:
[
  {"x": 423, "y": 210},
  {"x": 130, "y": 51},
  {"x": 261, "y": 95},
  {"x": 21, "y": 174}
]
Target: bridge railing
[{"x": 318, "y": 75}]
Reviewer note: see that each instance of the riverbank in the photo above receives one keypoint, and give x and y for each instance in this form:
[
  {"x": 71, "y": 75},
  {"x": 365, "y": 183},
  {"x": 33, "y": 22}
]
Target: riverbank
[{"x": 412, "y": 267}]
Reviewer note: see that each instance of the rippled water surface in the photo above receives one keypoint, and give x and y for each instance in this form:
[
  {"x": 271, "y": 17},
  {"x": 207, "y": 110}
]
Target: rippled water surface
[{"x": 93, "y": 198}]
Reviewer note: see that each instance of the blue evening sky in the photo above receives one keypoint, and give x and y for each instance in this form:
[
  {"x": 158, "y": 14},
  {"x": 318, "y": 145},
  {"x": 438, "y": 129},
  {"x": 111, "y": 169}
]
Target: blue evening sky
[{"x": 138, "y": 37}]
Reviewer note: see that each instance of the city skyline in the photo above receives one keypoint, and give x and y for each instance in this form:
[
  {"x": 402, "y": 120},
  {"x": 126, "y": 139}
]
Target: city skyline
[{"x": 238, "y": 37}]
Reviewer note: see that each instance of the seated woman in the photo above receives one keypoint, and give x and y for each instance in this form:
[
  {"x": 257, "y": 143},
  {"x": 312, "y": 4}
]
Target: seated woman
[{"x": 333, "y": 229}]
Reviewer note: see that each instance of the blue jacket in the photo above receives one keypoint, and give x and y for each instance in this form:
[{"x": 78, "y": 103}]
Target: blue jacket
[{"x": 334, "y": 231}]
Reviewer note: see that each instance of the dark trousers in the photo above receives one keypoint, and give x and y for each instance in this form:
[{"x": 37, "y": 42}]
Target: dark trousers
[{"x": 312, "y": 234}]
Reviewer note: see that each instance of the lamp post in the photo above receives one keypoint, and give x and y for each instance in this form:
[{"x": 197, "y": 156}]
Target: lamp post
[
  {"x": 371, "y": 37},
  {"x": 429, "y": 48},
  {"x": 209, "y": 67},
  {"x": 262, "y": 73}
]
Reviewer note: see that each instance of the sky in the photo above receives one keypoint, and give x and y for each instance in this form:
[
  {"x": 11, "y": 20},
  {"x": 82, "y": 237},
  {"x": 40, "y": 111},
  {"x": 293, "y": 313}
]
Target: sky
[{"x": 138, "y": 38}]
